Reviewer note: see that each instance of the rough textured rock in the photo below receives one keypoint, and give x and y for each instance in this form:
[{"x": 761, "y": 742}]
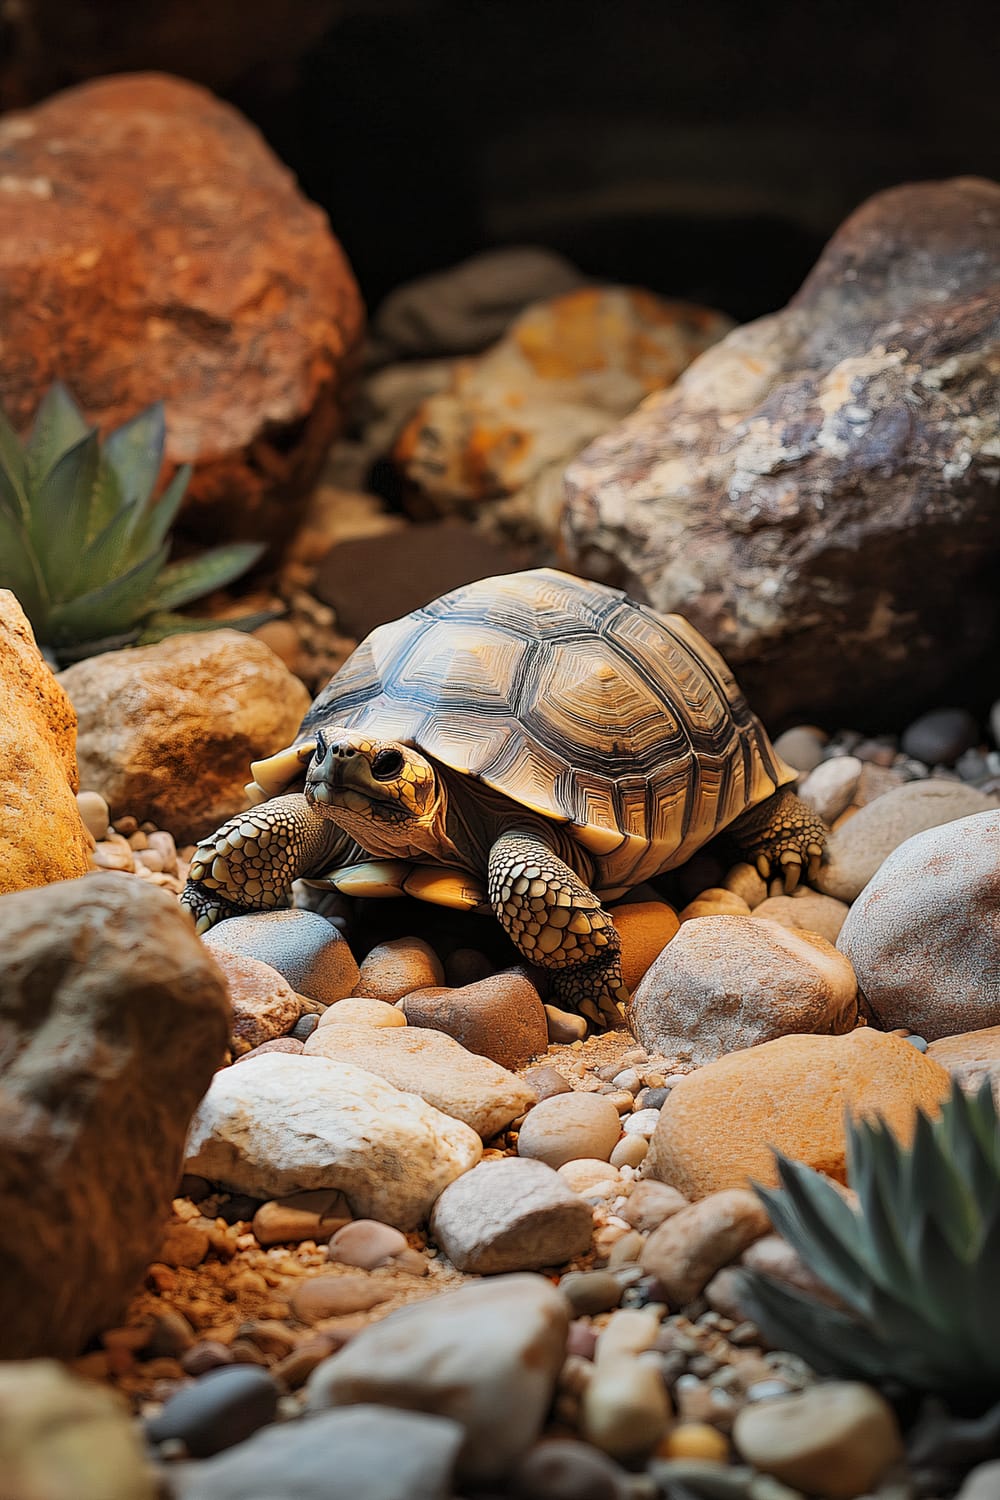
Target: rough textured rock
[
  {"x": 510, "y": 1215},
  {"x": 564, "y": 371},
  {"x": 430, "y": 1064},
  {"x": 112, "y": 1018},
  {"x": 372, "y": 1451},
  {"x": 42, "y": 836},
  {"x": 265, "y": 1006},
  {"x": 64, "y": 1438},
  {"x": 167, "y": 732},
  {"x": 486, "y": 1356},
  {"x": 816, "y": 492},
  {"x": 858, "y": 847},
  {"x": 789, "y": 1094},
  {"x": 305, "y": 949},
  {"x": 730, "y": 982},
  {"x": 971, "y": 1057},
  {"x": 924, "y": 935},
  {"x": 500, "y": 1017},
  {"x": 806, "y": 911},
  {"x": 277, "y": 1125},
  {"x": 154, "y": 248},
  {"x": 391, "y": 970}
]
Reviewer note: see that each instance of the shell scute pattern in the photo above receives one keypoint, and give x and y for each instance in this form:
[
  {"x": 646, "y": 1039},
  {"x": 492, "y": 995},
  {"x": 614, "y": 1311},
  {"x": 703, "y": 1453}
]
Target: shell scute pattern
[{"x": 574, "y": 701}]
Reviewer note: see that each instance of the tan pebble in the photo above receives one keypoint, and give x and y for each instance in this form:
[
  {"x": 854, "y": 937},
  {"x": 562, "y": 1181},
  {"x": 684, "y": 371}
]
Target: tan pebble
[
  {"x": 545, "y": 1081},
  {"x": 568, "y": 1127},
  {"x": 183, "y": 1245},
  {"x": 695, "y": 1440},
  {"x": 686, "y": 1250},
  {"x": 565, "y": 1027},
  {"x": 747, "y": 883},
  {"x": 294, "y": 1370},
  {"x": 629, "y": 1331},
  {"x": 117, "y": 855},
  {"x": 650, "y": 1203},
  {"x": 715, "y": 902},
  {"x": 411, "y": 1262},
  {"x": 94, "y": 814},
  {"x": 834, "y": 1440},
  {"x": 396, "y": 968},
  {"x": 282, "y": 638},
  {"x": 149, "y": 859},
  {"x": 360, "y": 1010},
  {"x": 626, "y": 1250},
  {"x": 333, "y": 1296},
  {"x": 137, "y": 840},
  {"x": 630, "y": 1151},
  {"x": 625, "y": 1409},
  {"x": 163, "y": 844}
]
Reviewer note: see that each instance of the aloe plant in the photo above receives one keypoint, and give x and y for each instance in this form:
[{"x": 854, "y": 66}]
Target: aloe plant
[
  {"x": 83, "y": 543},
  {"x": 916, "y": 1264}
]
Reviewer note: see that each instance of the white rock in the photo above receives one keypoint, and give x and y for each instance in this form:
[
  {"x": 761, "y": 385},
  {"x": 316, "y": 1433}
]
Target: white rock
[
  {"x": 924, "y": 935},
  {"x": 487, "y": 1356},
  {"x": 830, "y": 788},
  {"x": 511, "y": 1215},
  {"x": 280, "y": 1124},
  {"x": 370, "y": 1451},
  {"x": 729, "y": 982},
  {"x": 429, "y": 1063},
  {"x": 357, "y": 1010},
  {"x": 641, "y": 1122},
  {"x": 587, "y": 1173}
]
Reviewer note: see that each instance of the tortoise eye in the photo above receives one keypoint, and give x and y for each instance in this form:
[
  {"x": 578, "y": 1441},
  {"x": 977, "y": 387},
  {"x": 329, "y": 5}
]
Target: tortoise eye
[{"x": 387, "y": 765}]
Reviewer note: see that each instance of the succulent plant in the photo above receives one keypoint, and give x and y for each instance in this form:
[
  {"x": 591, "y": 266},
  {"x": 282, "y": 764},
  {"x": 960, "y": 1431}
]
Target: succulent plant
[
  {"x": 83, "y": 543},
  {"x": 916, "y": 1264}
]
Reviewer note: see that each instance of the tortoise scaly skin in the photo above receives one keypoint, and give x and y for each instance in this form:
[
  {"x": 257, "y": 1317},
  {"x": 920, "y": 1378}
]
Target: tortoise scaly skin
[{"x": 534, "y": 745}]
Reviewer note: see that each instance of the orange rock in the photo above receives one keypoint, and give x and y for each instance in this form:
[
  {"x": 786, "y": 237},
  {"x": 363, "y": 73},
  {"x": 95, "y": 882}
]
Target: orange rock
[
  {"x": 152, "y": 246},
  {"x": 645, "y": 929},
  {"x": 718, "y": 1125},
  {"x": 42, "y": 837}
]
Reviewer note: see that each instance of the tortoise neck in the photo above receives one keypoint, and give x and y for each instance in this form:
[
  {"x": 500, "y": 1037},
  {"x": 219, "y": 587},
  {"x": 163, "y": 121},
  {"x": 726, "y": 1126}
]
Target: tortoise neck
[{"x": 475, "y": 816}]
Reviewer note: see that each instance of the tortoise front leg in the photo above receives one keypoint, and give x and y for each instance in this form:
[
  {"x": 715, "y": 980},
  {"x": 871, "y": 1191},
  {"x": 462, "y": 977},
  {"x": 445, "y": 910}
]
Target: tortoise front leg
[
  {"x": 557, "y": 922},
  {"x": 782, "y": 831},
  {"x": 250, "y": 862}
]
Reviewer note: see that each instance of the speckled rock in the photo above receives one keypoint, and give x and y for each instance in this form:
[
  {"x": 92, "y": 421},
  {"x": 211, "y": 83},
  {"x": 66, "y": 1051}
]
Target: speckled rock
[
  {"x": 789, "y": 1094},
  {"x": 645, "y": 929},
  {"x": 806, "y": 911},
  {"x": 971, "y": 1057},
  {"x": 830, "y": 788},
  {"x": 858, "y": 847},
  {"x": 42, "y": 836},
  {"x": 924, "y": 935},
  {"x": 65, "y": 1438},
  {"x": 374, "y": 1451},
  {"x": 391, "y": 970},
  {"x": 687, "y": 1249},
  {"x": 419, "y": 1358},
  {"x": 167, "y": 732},
  {"x": 228, "y": 298},
  {"x": 306, "y": 949},
  {"x": 732, "y": 982},
  {"x": 264, "y": 1005},
  {"x": 835, "y": 1440},
  {"x": 510, "y": 1215},
  {"x": 112, "y": 1018},
  {"x": 856, "y": 413},
  {"x": 562, "y": 373},
  {"x": 500, "y": 1017},
  {"x": 568, "y": 1126},
  {"x": 279, "y": 1125},
  {"x": 428, "y": 1063}
]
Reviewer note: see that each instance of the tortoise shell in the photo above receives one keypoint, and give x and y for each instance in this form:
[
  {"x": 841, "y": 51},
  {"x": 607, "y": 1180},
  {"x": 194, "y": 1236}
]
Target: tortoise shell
[{"x": 573, "y": 701}]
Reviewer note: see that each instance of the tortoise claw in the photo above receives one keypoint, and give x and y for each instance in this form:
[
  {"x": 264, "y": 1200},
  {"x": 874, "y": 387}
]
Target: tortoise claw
[{"x": 791, "y": 870}]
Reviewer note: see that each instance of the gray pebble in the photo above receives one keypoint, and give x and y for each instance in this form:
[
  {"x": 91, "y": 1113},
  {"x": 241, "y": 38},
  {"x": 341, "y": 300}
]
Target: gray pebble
[
  {"x": 589, "y": 1292},
  {"x": 938, "y": 738},
  {"x": 221, "y": 1409},
  {"x": 651, "y": 1098},
  {"x": 304, "y": 1027},
  {"x": 802, "y": 747}
]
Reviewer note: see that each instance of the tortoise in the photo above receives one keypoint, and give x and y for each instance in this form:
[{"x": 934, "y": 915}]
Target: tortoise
[{"x": 532, "y": 744}]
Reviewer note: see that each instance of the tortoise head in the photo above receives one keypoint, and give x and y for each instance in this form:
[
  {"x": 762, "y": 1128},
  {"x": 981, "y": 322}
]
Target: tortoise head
[{"x": 359, "y": 782}]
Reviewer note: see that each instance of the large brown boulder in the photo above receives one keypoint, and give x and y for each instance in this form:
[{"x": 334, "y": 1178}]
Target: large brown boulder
[
  {"x": 113, "y": 1016},
  {"x": 818, "y": 492},
  {"x": 41, "y": 835},
  {"x": 151, "y": 246},
  {"x": 167, "y": 732}
]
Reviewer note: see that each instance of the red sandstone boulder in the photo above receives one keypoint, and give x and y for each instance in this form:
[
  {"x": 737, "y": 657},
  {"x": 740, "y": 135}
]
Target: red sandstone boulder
[{"x": 151, "y": 246}]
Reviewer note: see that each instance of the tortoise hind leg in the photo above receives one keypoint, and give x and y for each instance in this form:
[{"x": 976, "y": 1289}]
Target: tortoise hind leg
[
  {"x": 782, "y": 832},
  {"x": 558, "y": 923},
  {"x": 249, "y": 863}
]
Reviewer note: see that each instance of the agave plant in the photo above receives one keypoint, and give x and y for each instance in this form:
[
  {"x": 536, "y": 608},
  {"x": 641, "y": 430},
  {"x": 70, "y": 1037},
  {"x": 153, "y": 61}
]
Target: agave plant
[
  {"x": 83, "y": 543},
  {"x": 916, "y": 1264}
]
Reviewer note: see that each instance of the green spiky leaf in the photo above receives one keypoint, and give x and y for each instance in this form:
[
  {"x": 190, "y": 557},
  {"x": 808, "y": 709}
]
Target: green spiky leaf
[
  {"x": 914, "y": 1265},
  {"x": 197, "y": 576},
  {"x": 83, "y": 543}
]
